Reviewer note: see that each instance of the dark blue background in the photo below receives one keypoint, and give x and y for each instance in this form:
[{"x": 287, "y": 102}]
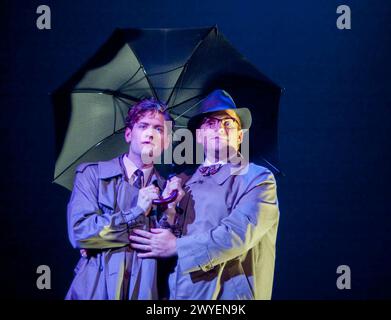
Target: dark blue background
[{"x": 334, "y": 132}]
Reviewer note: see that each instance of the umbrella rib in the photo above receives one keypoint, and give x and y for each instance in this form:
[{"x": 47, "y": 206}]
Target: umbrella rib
[
  {"x": 122, "y": 100},
  {"x": 167, "y": 71},
  {"x": 187, "y": 62},
  {"x": 133, "y": 83},
  {"x": 125, "y": 102},
  {"x": 115, "y": 114},
  {"x": 181, "y": 115},
  {"x": 116, "y": 104},
  {"x": 123, "y": 116},
  {"x": 145, "y": 73},
  {"x": 150, "y": 84},
  {"x": 180, "y": 86},
  {"x": 156, "y": 74},
  {"x": 200, "y": 95},
  {"x": 83, "y": 154},
  {"x": 105, "y": 91},
  {"x": 130, "y": 79},
  {"x": 128, "y": 85}
]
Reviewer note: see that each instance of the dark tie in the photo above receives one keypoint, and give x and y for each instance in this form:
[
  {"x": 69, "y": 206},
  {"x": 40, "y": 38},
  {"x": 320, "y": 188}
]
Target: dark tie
[
  {"x": 138, "y": 180},
  {"x": 210, "y": 170}
]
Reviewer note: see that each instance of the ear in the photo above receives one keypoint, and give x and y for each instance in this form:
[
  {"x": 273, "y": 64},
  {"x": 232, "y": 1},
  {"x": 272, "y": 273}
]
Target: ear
[{"x": 128, "y": 134}]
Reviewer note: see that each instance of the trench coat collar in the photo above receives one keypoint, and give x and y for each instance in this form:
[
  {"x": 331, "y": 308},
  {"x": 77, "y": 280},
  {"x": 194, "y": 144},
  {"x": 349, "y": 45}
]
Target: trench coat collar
[
  {"x": 115, "y": 167},
  {"x": 111, "y": 168}
]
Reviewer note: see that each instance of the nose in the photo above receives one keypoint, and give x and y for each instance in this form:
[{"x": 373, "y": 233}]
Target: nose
[
  {"x": 149, "y": 133},
  {"x": 219, "y": 127},
  {"x": 217, "y": 131}
]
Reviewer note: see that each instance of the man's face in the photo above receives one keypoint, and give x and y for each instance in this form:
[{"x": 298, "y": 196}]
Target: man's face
[
  {"x": 220, "y": 131},
  {"x": 148, "y": 137}
]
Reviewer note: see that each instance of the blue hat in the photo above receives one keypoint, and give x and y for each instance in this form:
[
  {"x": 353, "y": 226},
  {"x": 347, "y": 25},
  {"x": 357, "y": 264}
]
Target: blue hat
[{"x": 219, "y": 100}]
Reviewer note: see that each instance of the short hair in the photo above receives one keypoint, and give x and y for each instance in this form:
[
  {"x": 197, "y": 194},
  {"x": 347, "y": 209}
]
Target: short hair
[{"x": 144, "y": 106}]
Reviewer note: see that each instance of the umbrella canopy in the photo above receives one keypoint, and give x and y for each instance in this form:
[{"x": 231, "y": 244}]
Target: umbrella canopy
[{"x": 176, "y": 66}]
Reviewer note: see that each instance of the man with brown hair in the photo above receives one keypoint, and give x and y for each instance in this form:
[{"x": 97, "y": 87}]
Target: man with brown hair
[{"x": 110, "y": 199}]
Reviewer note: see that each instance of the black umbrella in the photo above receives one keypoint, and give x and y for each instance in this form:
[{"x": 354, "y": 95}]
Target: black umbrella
[{"x": 178, "y": 67}]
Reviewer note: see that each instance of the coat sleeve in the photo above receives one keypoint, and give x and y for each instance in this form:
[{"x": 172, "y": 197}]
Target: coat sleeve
[
  {"x": 252, "y": 217},
  {"x": 91, "y": 227}
]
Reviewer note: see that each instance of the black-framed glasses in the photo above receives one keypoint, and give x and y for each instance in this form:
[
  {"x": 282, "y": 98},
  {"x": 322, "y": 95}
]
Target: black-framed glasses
[{"x": 228, "y": 123}]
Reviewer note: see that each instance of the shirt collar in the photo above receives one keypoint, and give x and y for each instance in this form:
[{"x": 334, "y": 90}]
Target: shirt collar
[
  {"x": 116, "y": 167},
  {"x": 227, "y": 170},
  {"x": 207, "y": 163},
  {"x": 130, "y": 168}
]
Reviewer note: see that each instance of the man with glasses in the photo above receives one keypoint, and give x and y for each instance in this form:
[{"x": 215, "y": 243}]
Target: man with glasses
[{"x": 227, "y": 246}]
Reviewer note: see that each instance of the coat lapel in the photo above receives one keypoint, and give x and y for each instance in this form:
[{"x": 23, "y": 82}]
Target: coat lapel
[{"x": 107, "y": 187}]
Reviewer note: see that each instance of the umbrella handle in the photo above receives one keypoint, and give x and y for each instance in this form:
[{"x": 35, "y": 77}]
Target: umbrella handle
[{"x": 164, "y": 201}]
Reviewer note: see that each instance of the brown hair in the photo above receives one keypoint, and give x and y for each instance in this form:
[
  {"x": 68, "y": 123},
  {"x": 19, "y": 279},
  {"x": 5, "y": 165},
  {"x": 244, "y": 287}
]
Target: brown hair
[{"x": 143, "y": 107}]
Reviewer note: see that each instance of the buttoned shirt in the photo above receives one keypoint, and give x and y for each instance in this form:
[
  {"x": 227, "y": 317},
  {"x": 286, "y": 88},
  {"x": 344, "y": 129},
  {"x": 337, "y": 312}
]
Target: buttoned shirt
[
  {"x": 227, "y": 250},
  {"x": 130, "y": 168}
]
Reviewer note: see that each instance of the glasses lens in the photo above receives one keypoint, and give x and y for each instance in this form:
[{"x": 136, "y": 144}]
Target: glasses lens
[{"x": 228, "y": 123}]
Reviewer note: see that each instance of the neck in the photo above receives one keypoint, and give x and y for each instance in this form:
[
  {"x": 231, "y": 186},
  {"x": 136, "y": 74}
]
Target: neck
[
  {"x": 138, "y": 162},
  {"x": 214, "y": 156}
]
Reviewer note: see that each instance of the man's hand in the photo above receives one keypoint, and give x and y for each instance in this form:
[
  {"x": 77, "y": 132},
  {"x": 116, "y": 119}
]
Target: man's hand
[
  {"x": 145, "y": 197},
  {"x": 159, "y": 243},
  {"x": 174, "y": 183}
]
